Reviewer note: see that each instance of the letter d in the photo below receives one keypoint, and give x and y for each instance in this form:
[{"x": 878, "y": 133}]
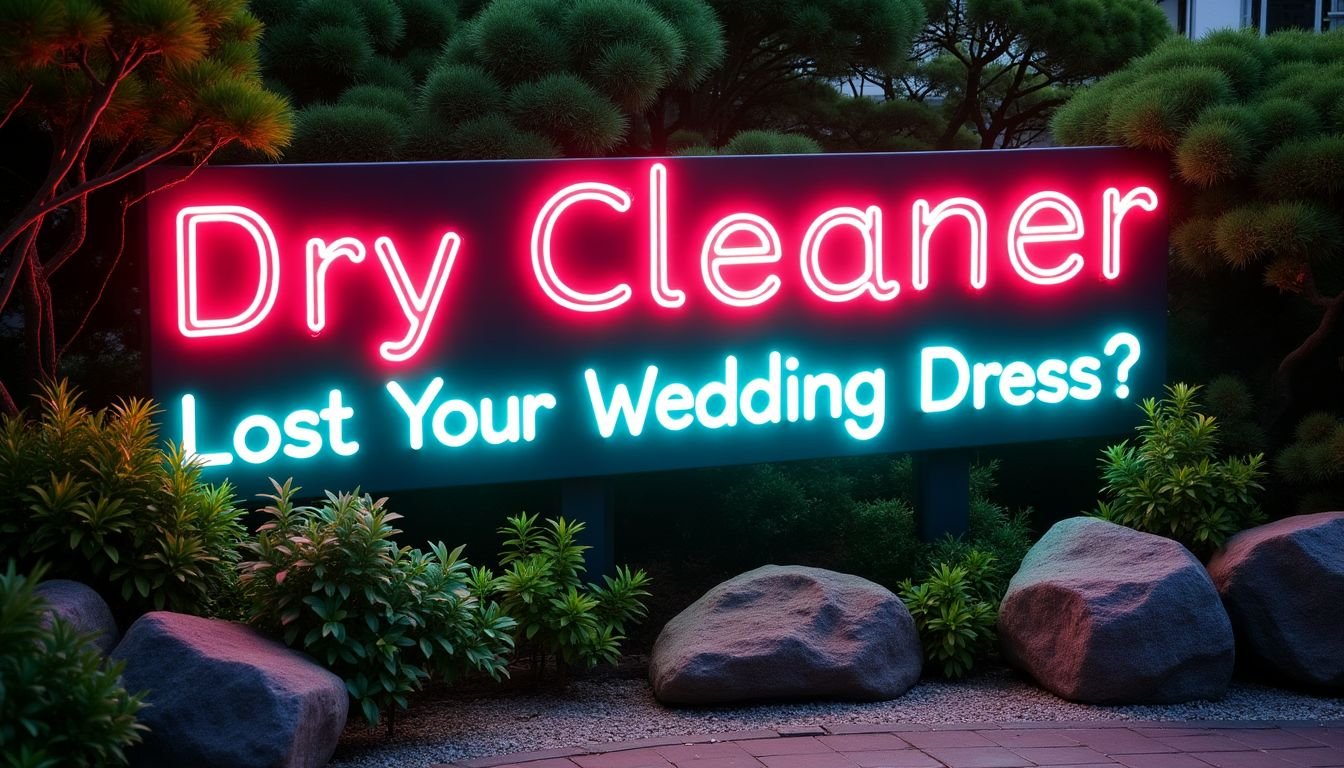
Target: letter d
[
  {"x": 927, "y": 356},
  {"x": 189, "y": 319}
]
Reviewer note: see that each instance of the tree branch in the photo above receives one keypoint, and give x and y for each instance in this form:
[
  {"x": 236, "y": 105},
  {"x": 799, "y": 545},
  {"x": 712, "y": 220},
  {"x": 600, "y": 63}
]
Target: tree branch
[
  {"x": 75, "y": 240},
  {"x": 18, "y": 103},
  {"x": 36, "y": 209},
  {"x": 205, "y": 158},
  {"x": 17, "y": 267},
  {"x": 126, "y": 203},
  {"x": 1334, "y": 309}
]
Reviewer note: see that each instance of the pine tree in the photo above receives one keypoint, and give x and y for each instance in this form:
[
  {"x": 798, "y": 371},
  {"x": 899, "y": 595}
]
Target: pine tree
[
  {"x": 783, "y": 58},
  {"x": 1252, "y": 129},
  {"x": 116, "y": 87},
  {"x": 994, "y": 71}
]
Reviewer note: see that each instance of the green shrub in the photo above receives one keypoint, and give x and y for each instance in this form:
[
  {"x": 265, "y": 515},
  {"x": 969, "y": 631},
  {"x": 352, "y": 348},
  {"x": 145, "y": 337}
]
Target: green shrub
[
  {"x": 60, "y": 706},
  {"x": 392, "y": 100},
  {"x": 456, "y": 93},
  {"x": 1314, "y": 461},
  {"x": 570, "y": 112},
  {"x": 770, "y": 143},
  {"x": 1172, "y": 482},
  {"x": 331, "y": 581},
  {"x": 558, "y": 616},
  {"x": 1229, "y": 400},
  {"x": 95, "y": 494},
  {"x": 353, "y": 133},
  {"x": 955, "y": 609}
]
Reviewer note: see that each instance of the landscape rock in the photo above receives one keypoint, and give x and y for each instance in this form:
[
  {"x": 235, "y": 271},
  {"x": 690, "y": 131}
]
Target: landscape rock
[
  {"x": 1283, "y": 586},
  {"x": 220, "y": 694},
  {"x": 79, "y": 605},
  {"x": 788, "y": 632},
  {"x": 1104, "y": 614}
]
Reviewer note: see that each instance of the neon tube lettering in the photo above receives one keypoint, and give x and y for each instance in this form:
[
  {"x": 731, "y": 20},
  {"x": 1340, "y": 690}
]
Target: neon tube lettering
[
  {"x": 543, "y": 264},
  {"x": 621, "y": 403},
  {"x": 1022, "y": 232},
  {"x": 869, "y": 225},
  {"x": 926, "y": 221},
  {"x": 245, "y": 427},
  {"x": 418, "y": 306},
  {"x": 927, "y": 356},
  {"x": 189, "y": 320},
  {"x": 471, "y": 423},
  {"x": 220, "y": 459},
  {"x": 335, "y": 415},
  {"x": 874, "y": 410},
  {"x": 1114, "y": 208},
  {"x": 663, "y": 293},
  {"x": 415, "y": 410},
  {"x": 716, "y": 255},
  {"x": 300, "y": 425},
  {"x": 319, "y": 255}
]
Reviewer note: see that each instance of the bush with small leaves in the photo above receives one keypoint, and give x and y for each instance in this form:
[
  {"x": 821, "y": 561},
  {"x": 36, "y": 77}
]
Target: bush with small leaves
[
  {"x": 1173, "y": 480},
  {"x": 955, "y": 608},
  {"x": 855, "y": 515},
  {"x": 331, "y": 581},
  {"x": 61, "y": 704},
  {"x": 99, "y": 497},
  {"x": 559, "y": 616}
]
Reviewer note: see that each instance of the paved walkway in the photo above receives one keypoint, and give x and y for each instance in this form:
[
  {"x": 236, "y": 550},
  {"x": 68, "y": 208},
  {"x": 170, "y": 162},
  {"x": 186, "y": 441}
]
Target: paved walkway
[{"x": 1007, "y": 745}]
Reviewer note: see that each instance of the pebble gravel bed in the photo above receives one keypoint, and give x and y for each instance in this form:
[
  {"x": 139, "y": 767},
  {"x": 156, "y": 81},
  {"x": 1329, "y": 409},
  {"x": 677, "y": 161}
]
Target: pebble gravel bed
[{"x": 610, "y": 709}]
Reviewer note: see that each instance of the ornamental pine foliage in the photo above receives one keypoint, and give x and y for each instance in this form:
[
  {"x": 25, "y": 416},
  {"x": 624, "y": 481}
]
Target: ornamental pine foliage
[
  {"x": 576, "y": 74},
  {"x": 505, "y": 79},
  {"x": 116, "y": 87},
  {"x": 992, "y": 72},
  {"x": 780, "y": 58},
  {"x": 1252, "y": 128}
]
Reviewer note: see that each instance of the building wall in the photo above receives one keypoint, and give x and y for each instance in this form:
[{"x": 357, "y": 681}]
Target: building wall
[{"x": 1196, "y": 18}]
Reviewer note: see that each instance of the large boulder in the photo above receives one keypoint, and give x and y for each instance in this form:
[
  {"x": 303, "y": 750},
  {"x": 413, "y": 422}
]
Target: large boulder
[
  {"x": 82, "y": 608},
  {"x": 220, "y": 694},
  {"x": 1283, "y": 585},
  {"x": 787, "y": 632},
  {"x": 1102, "y": 613}
]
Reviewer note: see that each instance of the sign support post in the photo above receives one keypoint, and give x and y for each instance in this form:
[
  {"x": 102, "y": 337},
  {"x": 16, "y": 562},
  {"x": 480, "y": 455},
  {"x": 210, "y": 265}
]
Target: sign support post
[
  {"x": 589, "y": 501},
  {"x": 942, "y": 493}
]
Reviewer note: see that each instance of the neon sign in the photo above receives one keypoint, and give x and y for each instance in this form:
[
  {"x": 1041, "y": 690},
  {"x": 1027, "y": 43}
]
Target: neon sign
[{"x": 444, "y": 323}]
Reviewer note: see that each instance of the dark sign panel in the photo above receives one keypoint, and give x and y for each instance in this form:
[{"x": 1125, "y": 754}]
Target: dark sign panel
[{"x": 432, "y": 324}]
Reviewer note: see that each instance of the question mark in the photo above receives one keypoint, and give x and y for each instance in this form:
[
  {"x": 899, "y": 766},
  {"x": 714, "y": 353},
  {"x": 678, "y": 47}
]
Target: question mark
[{"x": 1131, "y": 342}]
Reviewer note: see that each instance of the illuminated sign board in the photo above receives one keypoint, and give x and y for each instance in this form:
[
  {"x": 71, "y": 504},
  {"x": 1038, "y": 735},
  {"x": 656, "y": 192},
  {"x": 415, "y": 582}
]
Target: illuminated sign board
[{"x": 426, "y": 324}]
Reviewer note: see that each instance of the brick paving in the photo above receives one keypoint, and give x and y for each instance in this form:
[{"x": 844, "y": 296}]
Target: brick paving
[{"x": 1004, "y": 745}]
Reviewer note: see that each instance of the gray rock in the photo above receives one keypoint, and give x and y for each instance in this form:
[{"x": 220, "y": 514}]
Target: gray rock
[
  {"x": 1283, "y": 585},
  {"x": 787, "y": 632},
  {"x": 220, "y": 694},
  {"x": 1102, "y": 613},
  {"x": 83, "y": 608}
]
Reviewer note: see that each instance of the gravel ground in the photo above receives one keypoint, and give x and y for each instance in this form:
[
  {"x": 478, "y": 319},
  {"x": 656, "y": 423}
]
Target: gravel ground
[{"x": 607, "y": 709}]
